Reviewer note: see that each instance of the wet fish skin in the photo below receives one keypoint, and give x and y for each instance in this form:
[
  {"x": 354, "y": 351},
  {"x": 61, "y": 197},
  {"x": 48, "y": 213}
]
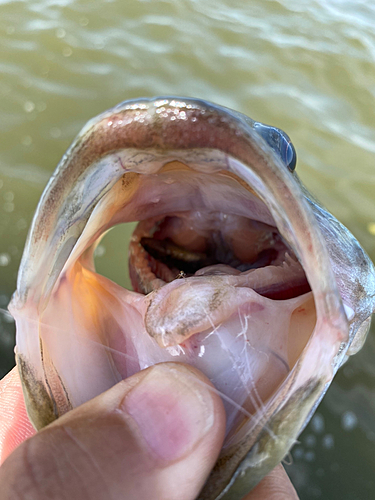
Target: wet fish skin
[{"x": 337, "y": 267}]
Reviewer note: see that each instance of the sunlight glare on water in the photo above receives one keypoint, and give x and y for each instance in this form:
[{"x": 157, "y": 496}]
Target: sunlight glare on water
[{"x": 307, "y": 67}]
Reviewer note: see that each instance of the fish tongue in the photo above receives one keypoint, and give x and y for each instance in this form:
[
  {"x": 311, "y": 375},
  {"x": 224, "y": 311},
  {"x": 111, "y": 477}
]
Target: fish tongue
[
  {"x": 188, "y": 306},
  {"x": 184, "y": 307}
]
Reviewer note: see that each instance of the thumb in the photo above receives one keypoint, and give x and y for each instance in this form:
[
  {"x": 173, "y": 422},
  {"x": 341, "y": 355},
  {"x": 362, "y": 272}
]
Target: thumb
[{"x": 154, "y": 435}]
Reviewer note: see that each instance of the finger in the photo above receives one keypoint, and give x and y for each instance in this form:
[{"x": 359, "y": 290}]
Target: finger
[
  {"x": 155, "y": 435},
  {"x": 15, "y": 425},
  {"x": 275, "y": 486}
]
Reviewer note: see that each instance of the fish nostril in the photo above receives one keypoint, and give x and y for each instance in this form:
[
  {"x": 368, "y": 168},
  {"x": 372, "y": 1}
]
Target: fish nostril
[{"x": 279, "y": 142}]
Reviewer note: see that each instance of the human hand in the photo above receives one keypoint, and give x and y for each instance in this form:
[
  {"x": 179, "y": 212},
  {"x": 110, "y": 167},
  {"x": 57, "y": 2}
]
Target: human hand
[{"x": 155, "y": 435}]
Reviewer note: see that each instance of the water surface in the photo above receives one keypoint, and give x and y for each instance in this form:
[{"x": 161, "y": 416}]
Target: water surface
[{"x": 305, "y": 66}]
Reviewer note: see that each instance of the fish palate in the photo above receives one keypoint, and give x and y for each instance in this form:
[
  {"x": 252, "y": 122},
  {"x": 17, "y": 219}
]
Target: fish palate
[{"x": 236, "y": 270}]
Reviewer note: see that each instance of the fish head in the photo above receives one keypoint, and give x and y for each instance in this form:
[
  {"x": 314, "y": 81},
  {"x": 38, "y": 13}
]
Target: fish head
[{"x": 236, "y": 270}]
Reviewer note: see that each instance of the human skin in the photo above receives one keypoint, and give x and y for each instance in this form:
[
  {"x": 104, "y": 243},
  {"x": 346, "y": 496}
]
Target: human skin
[{"x": 155, "y": 435}]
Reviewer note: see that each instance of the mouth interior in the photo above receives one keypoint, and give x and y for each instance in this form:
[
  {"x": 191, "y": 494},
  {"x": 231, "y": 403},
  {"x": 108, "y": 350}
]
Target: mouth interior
[
  {"x": 204, "y": 243},
  {"x": 215, "y": 286}
]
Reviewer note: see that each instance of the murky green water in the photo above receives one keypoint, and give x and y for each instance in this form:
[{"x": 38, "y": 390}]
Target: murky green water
[{"x": 305, "y": 66}]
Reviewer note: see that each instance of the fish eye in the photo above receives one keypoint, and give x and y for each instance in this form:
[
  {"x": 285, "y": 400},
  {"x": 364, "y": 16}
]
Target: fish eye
[{"x": 280, "y": 142}]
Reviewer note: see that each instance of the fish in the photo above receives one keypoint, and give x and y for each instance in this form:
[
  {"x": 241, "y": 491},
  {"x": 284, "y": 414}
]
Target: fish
[{"x": 236, "y": 269}]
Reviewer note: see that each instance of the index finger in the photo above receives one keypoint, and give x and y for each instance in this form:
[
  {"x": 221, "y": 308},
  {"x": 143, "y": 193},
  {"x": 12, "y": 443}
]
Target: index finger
[
  {"x": 15, "y": 425},
  {"x": 275, "y": 486}
]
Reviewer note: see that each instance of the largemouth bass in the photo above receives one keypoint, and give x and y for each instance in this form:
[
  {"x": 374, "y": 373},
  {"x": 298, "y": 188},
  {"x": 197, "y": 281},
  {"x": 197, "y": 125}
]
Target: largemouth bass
[{"x": 236, "y": 270}]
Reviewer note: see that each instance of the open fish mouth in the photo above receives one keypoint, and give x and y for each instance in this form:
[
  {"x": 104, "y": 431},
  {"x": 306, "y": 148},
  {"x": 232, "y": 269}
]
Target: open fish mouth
[{"x": 235, "y": 270}]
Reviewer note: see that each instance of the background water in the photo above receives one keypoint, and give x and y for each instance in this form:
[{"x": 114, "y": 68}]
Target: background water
[{"x": 306, "y": 66}]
